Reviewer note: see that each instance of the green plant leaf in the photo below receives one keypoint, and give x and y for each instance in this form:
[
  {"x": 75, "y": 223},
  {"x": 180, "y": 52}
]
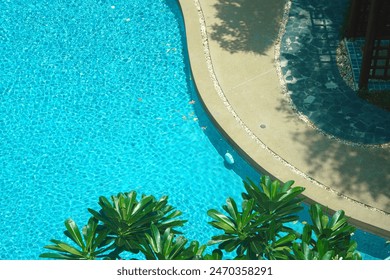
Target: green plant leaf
[
  {"x": 274, "y": 189},
  {"x": 230, "y": 245},
  {"x": 286, "y": 186},
  {"x": 316, "y": 214},
  {"x": 285, "y": 240},
  {"x": 55, "y": 256},
  {"x": 220, "y": 238},
  {"x": 74, "y": 232},
  {"x": 89, "y": 233},
  {"x": 222, "y": 221},
  {"x": 215, "y": 255},
  {"x": 69, "y": 249},
  {"x": 231, "y": 208},
  {"x": 247, "y": 215}
]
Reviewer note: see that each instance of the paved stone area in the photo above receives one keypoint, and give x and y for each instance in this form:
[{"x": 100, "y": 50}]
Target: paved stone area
[{"x": 313, "y": 80}]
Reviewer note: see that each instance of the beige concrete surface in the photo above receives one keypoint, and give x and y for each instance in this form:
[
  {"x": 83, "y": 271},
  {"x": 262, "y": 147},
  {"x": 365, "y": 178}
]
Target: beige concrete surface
[{"x": 231, "y": 47}]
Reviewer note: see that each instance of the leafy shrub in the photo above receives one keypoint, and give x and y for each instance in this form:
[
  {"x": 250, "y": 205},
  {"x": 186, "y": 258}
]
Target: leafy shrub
[{"x": 256, "y": 231}]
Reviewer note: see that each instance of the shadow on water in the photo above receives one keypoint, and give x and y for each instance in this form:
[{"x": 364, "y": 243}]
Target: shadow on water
[{"x": 247, "y": 25}]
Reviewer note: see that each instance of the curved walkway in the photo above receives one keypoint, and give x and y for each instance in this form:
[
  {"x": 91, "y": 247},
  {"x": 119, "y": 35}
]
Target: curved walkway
[{"x": 231, "y": 46}]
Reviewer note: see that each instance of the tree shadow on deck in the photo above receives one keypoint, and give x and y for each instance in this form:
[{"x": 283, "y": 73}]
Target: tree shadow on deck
[
  {"x": 361, "y": 173},
  {"x": 247, "y": 25}
]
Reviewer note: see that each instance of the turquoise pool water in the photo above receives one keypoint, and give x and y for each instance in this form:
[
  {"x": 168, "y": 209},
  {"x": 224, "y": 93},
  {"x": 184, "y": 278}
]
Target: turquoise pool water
[{"x": 96, "y": 99}]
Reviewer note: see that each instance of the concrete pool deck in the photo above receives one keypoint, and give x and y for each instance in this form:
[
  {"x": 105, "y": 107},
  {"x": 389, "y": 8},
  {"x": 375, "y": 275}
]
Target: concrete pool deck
[{"x": 232, "y": 54}]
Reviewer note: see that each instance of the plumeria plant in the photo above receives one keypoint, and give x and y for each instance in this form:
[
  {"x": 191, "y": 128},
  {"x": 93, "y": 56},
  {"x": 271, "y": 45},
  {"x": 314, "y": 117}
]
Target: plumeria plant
[{"x": 257, "y": 229}]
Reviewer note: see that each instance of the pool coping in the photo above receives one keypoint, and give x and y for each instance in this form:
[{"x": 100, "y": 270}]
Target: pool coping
[{"x": 235, "y": 118}]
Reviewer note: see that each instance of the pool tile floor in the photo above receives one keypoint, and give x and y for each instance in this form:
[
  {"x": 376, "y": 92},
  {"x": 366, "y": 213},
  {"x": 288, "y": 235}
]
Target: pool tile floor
[{"x": 355, "y": 54}]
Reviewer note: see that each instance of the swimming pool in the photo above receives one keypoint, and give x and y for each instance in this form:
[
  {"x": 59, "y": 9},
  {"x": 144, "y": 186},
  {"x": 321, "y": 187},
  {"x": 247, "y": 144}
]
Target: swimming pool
[{"x": 97, "y": 99}]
